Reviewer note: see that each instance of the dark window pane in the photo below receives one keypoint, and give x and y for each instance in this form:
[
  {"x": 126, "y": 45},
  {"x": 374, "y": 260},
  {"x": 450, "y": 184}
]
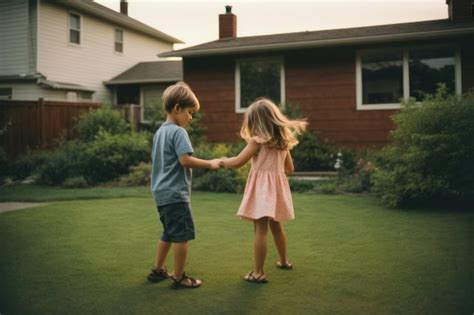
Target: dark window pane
[
  {"x": 128, "y": 94},
  {"x": 259, "y": 78},
  {"x": 428, "y": 68},
  {"x": 74, "y": 37},
  {"x": 75, "y": 21},
  {"x": 382, "y": 78},
  {"x": 119, "y": 47}
]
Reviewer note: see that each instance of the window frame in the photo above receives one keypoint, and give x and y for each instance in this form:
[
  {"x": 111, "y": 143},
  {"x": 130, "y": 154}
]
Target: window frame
[
  {"x": 115, "y": 40},
  {"x": 70, "y": 13},
  {"x": 279, "y": 59},
  {"x": 406, "y": 74}
]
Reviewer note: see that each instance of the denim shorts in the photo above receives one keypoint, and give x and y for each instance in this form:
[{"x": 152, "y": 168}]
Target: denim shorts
[{"x": 177, "y": 220}]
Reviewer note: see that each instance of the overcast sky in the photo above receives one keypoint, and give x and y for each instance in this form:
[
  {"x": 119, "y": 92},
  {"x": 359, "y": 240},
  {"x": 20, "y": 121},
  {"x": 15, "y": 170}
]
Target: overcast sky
[{"x": 196, "y": 22}]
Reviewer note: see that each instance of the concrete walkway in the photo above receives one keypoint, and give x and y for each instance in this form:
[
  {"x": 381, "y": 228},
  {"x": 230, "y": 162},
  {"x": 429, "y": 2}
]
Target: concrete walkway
[{"x": 12, "y": 206}]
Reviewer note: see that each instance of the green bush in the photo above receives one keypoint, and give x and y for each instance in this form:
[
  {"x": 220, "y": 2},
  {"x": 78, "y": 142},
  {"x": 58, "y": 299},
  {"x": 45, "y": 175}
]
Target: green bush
[
  {"x": 431, "y": 158},
  {"x": 311, "y": 154},
  {"x": 103, "y": 119},
  {"x": 75, "y": 182},
  {"x": 327, "y": 188},
  {"x": 105, "y": 158},
  {"x": 229, "y": 180},
  {"x": 110, "y": 156},
  {"x": 300, "y": 185},
  {"x": 67, "y": 161},
  {"x": 4, "y": 164},
  {"x": 222, "y": 180},
  {"x": 139, "y": 175}
]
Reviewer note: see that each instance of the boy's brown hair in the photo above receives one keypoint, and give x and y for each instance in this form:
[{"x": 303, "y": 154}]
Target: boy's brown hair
[{"x": 179, "y": 94}]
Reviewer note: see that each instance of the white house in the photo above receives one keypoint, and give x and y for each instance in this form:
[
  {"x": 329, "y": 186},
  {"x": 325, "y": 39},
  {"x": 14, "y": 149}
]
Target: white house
[{"x": 65, "y": 50}]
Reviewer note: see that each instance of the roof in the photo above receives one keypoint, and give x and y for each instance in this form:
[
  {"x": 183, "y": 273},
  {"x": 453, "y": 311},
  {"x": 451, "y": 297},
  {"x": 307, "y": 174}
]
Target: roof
[
  {"x": 95, "y": 9},
  {"x": 42, "y": 81},
  {"x": 325, "y": 38},
  {"x": 150, "y": 72}
]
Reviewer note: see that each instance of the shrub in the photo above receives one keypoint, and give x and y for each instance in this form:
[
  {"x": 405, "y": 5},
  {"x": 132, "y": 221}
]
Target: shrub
[
  {"x": 110, "y": 156},
  {"x": 138, "y": 175},
  {"x": 229, "y": 180},
  {"x": 300, "y": 185},
  {"x": 312, "y": 155},
  {"x": 105, "y": 158},
  {"x": 222, "y": 180},
  {"x": 27, "y": 165},
  {"x": 4, "y": 164},
  {"x": 103, "y": 119},
  {"x": 75, "y": 182},
  {"x": 431, "y": 158},
  {"x": 327, "y": 188},
  {"x": 68, "y": 161}
]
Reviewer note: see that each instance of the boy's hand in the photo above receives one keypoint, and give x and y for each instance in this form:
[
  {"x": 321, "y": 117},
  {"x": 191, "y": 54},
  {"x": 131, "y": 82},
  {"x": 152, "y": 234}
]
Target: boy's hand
[{"x": 214, "y": 164}]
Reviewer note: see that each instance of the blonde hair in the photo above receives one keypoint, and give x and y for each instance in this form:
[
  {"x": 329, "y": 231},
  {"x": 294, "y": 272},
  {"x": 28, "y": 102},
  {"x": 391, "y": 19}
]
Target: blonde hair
[
  {"x": 265, "y": 120},
  {"x": 179, "y": 94}
]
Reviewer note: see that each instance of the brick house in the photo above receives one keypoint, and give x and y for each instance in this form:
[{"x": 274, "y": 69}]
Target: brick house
[{"x": 347, "y": 82}]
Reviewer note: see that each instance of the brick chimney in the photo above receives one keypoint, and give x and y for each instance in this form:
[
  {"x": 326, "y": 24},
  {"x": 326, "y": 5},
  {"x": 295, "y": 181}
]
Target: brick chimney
[
  {"x": 124, "y": 7},
  {"x": 227, "y": 24},
  {"x": 460, "y": 9}
]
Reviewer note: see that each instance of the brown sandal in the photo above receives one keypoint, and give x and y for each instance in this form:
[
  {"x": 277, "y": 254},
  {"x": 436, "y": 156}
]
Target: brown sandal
[
  {"x": 158, "y": 275},
  {"x": 287, "y": 266},
  {"x": 181, "y": 282},
  {"x": 251, "y": 278}
]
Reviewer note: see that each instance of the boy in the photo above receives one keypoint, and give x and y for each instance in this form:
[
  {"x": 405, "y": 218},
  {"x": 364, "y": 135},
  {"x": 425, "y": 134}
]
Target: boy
[{"x": 171, "y": 183}]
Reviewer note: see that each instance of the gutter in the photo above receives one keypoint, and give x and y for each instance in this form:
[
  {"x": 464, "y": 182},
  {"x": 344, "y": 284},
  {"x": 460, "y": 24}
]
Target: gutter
[
  {"x": 317, "y": 43},
  {"x": 122, "y": 82}
]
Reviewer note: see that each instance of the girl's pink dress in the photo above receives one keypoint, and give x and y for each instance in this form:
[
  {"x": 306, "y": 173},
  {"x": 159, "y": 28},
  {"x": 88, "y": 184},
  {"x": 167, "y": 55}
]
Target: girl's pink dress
[{"x": 267, "y": 192}]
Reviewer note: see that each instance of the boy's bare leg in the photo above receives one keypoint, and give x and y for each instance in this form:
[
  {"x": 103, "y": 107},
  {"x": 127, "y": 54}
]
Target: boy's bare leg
[
  {"x": 260, "y": 244},
  {"x": 162, "y": 249},
  {"x": 279, "y": 238},
  {"x": 180, "y": 254}
]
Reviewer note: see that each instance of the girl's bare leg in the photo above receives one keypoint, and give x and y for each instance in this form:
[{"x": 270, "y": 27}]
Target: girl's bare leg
[
  {"x": 280, "y": 240},
  {"x": 260, "y": 244}
]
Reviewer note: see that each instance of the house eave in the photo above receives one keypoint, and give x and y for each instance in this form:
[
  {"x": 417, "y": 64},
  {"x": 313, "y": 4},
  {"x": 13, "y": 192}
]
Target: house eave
[
  {"x": 124, "y": 82},
  {"x": 320, "y": 43},
  {"x": 118, "y": 19}
]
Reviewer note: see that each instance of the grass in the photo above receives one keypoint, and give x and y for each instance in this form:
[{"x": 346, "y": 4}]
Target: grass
[{"x": 351, "y": 256}]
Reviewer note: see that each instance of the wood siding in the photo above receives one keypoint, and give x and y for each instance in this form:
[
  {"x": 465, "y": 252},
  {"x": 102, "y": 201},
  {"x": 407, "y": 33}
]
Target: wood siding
[
  {"x": 95, "y": 60},
  {"x": 36, "y": 124},
  {"x": 15, "y": 44}
]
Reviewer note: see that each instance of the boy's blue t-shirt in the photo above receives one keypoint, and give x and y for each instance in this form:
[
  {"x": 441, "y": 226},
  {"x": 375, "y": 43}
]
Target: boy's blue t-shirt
[{"x": 170, "y": 182}]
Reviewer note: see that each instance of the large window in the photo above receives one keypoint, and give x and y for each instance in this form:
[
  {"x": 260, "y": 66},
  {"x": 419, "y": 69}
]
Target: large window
[
  {"x": 384, "y": 77},
  {"x": 74, "y": 28},
  {"x": 118, "y": 40},
  {"x": 258, "y": 78},
  {"x": 152, "y": 105},
  {"x": 429, "y": 67}
]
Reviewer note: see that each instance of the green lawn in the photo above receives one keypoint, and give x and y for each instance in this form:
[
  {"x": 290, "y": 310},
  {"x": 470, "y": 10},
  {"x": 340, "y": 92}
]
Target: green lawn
[{"x": 351, "y": 256}]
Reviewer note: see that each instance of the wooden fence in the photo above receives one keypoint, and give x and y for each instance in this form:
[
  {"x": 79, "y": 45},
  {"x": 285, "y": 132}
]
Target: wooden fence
[{"x": 31, "y": 125}]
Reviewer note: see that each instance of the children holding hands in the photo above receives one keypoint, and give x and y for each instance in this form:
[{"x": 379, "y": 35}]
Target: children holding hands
[{"x": 267, "y": 197}]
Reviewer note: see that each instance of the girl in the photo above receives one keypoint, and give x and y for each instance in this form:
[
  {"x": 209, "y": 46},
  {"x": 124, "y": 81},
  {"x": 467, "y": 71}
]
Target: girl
[{"x": 267, "y": 196}]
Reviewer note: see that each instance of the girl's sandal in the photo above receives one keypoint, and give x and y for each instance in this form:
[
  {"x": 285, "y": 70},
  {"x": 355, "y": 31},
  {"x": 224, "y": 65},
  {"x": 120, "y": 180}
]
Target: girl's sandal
[
  {"x": 251, "y": 278},
  {"x": 183, "y": 283},
  {"x": 287, "y": 266}
]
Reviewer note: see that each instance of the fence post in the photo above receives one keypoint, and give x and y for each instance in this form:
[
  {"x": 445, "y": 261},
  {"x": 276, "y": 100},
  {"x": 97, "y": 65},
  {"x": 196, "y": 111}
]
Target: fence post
[{"x": 40, "y": 122}]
